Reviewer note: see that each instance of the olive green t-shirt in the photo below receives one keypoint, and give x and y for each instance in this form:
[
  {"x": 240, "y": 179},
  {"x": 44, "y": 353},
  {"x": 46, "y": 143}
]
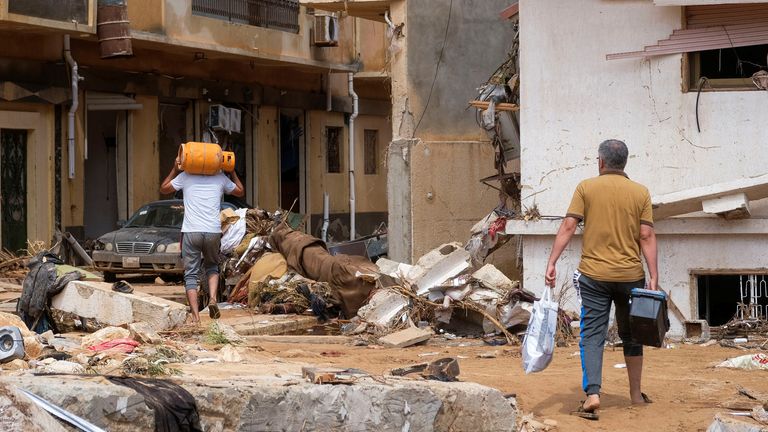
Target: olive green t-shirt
[{"x": 612, "y": 207}]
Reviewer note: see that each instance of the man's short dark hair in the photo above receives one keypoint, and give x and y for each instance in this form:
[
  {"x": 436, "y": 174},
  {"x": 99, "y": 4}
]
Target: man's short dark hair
[{"x": 614, "y": 153}]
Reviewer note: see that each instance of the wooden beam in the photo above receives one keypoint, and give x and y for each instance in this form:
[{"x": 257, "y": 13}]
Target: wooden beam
[{"x": 499, "y": 107}]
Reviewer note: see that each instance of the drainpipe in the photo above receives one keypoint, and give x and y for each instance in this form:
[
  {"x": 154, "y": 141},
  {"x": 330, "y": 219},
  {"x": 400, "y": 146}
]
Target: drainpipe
[
  {"x": 352, "y": 156},
  {"x": 326, "y": 218},
  {"x": 73, "y": 108}
]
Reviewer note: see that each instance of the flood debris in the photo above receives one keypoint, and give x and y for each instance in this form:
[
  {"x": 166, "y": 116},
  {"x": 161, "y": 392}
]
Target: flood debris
[
  {"x": 758, "y": 361},
  {"x": 444, "y": 369},
  {"x": 406, "y": 338}
]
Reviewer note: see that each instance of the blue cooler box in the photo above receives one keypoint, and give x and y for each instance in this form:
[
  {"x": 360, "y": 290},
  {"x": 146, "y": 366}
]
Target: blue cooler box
[{"x": 648, "y": 318}]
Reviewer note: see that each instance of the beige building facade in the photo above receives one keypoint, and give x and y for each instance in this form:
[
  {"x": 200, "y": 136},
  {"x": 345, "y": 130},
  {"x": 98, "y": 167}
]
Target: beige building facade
[{"x": 134, "y": 111}]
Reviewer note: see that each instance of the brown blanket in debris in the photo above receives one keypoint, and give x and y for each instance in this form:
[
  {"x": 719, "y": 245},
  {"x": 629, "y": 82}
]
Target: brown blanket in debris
[{"x": 309, "y": 257}]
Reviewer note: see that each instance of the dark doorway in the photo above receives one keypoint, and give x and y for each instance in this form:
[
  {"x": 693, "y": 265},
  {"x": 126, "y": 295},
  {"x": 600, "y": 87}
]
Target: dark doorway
[
  {"x": 172, "y": 132},
  {"x": 720, "y": 295},
  {"x": 291, "y": 140},
  {"x": 100, "y": 212},
  {"x": 13, "y": 178}
]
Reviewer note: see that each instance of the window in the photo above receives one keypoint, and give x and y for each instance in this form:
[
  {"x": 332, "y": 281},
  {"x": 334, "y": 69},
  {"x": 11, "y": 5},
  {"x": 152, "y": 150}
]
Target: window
[
  {"x": 333, "y": 149},
  {"x": 371, "y": 151},
  {"x": 727, "y": 67},
  {"x": 274, "y": 14},
  {"x": 724, "y": 296},
  {"x": 61, "y": 10}
]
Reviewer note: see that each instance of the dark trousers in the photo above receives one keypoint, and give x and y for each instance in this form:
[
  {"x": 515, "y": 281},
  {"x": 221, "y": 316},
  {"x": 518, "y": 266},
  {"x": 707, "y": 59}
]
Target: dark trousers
[{"x": 596, "y": 298}]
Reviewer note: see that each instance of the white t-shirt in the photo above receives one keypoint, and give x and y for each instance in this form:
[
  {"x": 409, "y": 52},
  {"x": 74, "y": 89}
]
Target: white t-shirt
[{"x": 202, "y": 200}]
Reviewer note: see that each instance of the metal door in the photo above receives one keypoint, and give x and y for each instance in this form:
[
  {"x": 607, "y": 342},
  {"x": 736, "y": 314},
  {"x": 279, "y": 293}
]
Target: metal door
[{"x": 13, "y": 186}]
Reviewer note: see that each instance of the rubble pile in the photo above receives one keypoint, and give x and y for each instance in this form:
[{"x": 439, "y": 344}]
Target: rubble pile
[{"x": 442, "y": 287}]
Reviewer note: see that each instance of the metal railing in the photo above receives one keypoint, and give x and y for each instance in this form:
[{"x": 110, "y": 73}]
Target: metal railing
[{"x": 274, "y": 14}]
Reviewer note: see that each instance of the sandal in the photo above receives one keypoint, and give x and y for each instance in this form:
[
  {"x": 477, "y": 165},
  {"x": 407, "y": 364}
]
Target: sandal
[
  {"x": 213, "y": 311},
  {"x": 646, "y": 399},
  {"x": 581, "y": 412}
]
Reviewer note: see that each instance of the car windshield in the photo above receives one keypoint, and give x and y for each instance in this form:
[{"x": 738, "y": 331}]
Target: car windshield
[{"x": 161, "y": 216}]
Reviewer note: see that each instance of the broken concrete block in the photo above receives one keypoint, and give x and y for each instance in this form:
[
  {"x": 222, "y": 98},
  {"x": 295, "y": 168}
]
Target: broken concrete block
[
  {"x": 735, "y": 206},
  {"x": 696, "y": 331},
  {"x": 63, "y": 367},
  {"x": 144, "y": 333},
  {"x": 492, "y": 278},
  {"x": 104, "y": 335},
  {"x": 384, "y": 405},
  {"x": 407, "y": 337},
  {"x": 449, "y": 266},
  {"x": 384, "y": 308},
  {"x": 97, "y": 301},
  {"x": 17, "y": 364},
  {"x": 7, "y": 319},
  {"x": 22, "y": 415}
]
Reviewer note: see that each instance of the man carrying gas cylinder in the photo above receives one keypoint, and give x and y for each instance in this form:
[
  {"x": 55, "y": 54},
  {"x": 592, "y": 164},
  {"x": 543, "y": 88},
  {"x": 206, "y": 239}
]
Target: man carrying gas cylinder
[{"x": 201, "y": 229}]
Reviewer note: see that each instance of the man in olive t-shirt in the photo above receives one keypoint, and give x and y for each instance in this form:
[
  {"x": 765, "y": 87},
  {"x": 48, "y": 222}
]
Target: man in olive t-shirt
[{"x": 618, "y": 226}]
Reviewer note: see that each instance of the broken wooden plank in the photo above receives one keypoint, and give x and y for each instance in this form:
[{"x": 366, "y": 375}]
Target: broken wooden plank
[
  {"x": 11, "y": 287},
  {"x": 499, "y": 106},
  {"x": 407, "y": 337}
]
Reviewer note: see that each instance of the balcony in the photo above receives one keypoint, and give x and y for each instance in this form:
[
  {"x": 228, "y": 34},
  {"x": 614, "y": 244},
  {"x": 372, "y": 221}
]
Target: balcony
[
  {"x": 72, "y": 15},
  {"x": 274, "y": 14}
]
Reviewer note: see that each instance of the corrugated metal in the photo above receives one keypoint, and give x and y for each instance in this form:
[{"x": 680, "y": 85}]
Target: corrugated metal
[{"x": 711, "y": 27}]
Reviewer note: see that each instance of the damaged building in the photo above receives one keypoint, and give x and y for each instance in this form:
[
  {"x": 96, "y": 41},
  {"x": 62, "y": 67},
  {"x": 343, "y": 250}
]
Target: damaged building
[{"x": 686, "y": 90}]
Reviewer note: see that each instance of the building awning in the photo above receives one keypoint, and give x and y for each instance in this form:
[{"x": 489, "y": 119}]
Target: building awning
[
  {"x": 97, "y": 101},
  {"x": 711, "y": 27},
  {"x": 369, "y": 9}
]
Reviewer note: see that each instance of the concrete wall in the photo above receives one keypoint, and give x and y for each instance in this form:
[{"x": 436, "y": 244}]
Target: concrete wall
[
  {"x": 572, "y": 98},
  {"x": 179, "y": 23},
  {"x": 439, "y": 144}
]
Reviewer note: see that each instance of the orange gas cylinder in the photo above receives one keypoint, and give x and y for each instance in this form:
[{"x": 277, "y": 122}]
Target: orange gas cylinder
[{"x": 205, "y": 158}]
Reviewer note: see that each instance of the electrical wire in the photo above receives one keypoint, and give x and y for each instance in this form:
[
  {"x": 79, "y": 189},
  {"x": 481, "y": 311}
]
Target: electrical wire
[{"x": 437, "y": 69}]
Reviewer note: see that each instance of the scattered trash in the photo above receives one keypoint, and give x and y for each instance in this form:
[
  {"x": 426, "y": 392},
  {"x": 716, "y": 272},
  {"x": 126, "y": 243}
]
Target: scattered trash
[
  {"x": 488, "y": 355},
  {"x": 429, "y": 354},
  {"x": 407, "y": 337},
  {"x": 125, "y": 345},
  {"x": 445, "y": 369},
  {"x": 620, "y": 366},
  {"x": 757, "y": 361}
]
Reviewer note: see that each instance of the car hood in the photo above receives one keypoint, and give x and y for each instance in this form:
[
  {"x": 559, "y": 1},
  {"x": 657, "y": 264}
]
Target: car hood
[{"x": 149, "y": 234}]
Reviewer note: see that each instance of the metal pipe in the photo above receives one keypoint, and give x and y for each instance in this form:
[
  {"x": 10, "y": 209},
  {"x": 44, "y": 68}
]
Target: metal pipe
[
  {"x": 73, "y": 108},
  {"x": 351, "y": 78},
  {"x": 326, "y": 218}
]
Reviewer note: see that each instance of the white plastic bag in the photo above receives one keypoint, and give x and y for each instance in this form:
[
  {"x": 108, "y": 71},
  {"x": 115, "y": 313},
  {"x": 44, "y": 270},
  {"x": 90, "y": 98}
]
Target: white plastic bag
[
  {"x": 235, "y": 233},
  {"x": 539, "y": 341}
]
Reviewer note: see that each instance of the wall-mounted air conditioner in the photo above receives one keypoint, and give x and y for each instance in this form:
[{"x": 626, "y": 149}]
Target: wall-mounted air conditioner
[
  {"x": 218, "y": 117},
  {"x": 326, "y": 31}
]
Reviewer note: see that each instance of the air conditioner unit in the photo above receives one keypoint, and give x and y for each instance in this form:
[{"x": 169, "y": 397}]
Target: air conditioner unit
[
  {"x": 235, "y": 117},
  {"x": 326, "y": 31},
  {"x": 218, "y": 117}
]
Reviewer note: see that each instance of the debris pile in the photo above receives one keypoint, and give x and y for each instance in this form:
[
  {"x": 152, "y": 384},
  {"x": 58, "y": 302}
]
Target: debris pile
[
  {"x": 273, "y": 268},
  {"x": 444, "y": 289}
]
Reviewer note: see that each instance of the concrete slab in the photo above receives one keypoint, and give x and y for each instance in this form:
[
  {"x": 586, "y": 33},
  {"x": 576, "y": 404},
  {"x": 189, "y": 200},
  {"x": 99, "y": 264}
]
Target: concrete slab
[
  {"x": 260, "y": 324},
  {"x": 406, "y": 338},
  {"x": 690, "y": 200},
  {"x": 384, "y": 404},
  {"x": 97, "y": 301}
]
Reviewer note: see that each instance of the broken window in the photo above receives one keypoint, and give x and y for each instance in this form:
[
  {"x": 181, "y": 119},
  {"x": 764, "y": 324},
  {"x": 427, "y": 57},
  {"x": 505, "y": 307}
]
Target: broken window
[
  {"x": 370, "y": 152},
  {"x": 725, "y": 296},
  {"x": 726, "y": 46},
  {"x": 333, "y": 149}
]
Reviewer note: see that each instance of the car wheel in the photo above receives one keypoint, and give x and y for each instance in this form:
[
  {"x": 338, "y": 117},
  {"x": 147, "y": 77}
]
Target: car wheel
[{"x": 109, "y": 276}]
